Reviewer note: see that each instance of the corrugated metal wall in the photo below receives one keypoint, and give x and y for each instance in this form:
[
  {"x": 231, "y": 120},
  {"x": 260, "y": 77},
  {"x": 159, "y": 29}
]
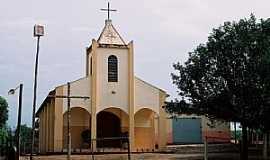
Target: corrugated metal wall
[{"x": 187, "y": 130}]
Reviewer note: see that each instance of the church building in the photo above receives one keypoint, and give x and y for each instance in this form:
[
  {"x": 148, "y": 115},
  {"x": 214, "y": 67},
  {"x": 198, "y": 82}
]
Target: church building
[
  {"x": 119, "y": 103},
  {"x": 110, "y": 102}
]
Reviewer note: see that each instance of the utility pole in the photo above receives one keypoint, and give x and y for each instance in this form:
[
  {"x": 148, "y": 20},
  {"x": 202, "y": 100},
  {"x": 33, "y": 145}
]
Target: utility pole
[
  {"x": 19, "y": 123},
  {"x": 38, "y": 32},
  {"x": 18, "y": 130},
  {"x": 68, "y": 121}
]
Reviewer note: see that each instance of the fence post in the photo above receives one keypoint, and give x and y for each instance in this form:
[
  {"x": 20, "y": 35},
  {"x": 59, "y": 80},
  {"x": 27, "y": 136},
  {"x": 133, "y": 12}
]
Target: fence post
[
  {"x": 128, "y": 149},
  {"x": 205, "y": 148},
  {"x": 24, "y": 150},
  {"x": 93, "y": 157},
  {"x": 265, "y": 150}
]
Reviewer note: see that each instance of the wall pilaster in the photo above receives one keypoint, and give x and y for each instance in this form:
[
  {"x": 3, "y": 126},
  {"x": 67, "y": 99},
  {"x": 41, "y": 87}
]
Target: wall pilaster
[
  {"x": 94, "y": 93},
  {"x": 131, "y": 96}
]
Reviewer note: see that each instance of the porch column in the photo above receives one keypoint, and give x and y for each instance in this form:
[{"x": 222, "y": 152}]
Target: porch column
[{"x": 162, "y": 130}]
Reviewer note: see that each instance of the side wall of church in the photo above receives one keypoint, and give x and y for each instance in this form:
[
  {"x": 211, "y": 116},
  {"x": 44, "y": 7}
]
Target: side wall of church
[
  {"x": 58, "y": 120},
  {"x": 112, "y": 94},
  {"x": 46, "y": 127}
]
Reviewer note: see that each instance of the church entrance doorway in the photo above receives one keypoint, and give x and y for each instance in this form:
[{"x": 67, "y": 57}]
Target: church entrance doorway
[{"x": 111, "y": 124}]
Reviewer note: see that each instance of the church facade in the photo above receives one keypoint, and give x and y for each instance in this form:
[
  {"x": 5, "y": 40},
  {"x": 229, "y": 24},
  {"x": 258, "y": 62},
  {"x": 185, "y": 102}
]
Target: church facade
[
  {"x": 115, "y": 103},
  {"x": 119, "y": 102}
]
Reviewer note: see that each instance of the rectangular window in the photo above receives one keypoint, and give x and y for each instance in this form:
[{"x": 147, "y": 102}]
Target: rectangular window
[
  {"x": 91, "y": 71},
  {"x": 112, "y": 69}
]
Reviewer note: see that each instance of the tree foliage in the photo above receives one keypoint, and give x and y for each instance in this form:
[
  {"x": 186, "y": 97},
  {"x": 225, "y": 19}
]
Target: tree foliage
[
  {"x": 26, "y": 133},
  {"x": 3, "y": 133},
  {"x": 229, "y": 76},
  {"x": 3, "y": 112}
]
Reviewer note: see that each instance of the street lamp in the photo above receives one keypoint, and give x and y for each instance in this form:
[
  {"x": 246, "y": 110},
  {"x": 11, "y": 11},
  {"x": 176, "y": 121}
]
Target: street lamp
[
  {"x": 18, "y": 137},
  {"x": 38, "y": 32}
]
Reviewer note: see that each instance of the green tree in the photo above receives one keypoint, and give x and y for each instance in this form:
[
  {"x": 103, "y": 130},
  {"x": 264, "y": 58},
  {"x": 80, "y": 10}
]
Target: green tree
[
  {"x": 25, "y": 138},
  {"x": 3, "y": 133},
  {"x": 264, "y": 126},
  {"x": 25, "y": 134},
  {"x": 3, "y": 112},
  {"x": 228, "y": 78}
]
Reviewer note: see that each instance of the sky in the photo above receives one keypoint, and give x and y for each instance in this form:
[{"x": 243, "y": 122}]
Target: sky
[{"x": 163, "y": 31}]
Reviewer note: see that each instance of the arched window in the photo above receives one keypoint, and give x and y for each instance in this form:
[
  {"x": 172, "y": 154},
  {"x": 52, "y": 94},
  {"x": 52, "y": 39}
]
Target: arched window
[{"x": 112, "y": 69}]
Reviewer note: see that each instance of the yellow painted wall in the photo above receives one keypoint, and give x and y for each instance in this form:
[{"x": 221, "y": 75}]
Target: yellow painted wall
[
  {"x": 46, "y": 129},
  {"x": 131, "y": 96},
  {"x": 144, "y": 130},
  {"x": 105, "y": 88},
  {"x": 162, "y": 137},
  {"x": 146, "y": 96},
  {"x": 80, "y": 87},
  {"x": 58, "y": 121}
]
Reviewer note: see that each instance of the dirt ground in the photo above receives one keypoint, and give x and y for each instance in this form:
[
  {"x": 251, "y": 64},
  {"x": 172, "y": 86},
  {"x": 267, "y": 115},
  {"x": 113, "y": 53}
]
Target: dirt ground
[{"x": 144, "y": 156}]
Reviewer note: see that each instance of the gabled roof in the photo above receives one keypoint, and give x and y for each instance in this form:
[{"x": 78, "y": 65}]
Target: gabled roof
[{"x": 109, "y": 35}]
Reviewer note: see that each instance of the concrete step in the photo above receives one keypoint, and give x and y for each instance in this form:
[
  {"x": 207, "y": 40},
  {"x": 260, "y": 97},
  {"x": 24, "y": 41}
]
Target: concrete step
[{"x": 199, "y": 148}]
